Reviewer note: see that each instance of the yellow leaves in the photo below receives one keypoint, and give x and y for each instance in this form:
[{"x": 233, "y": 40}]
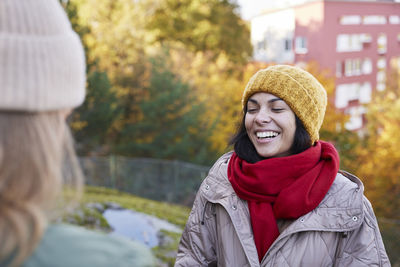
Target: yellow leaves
[
  {"x": 114, "y": 31},
  {"x": 145, "y": 139},
  {"x": 201, "y": 26},
  {"x": 78, "y": 125}
]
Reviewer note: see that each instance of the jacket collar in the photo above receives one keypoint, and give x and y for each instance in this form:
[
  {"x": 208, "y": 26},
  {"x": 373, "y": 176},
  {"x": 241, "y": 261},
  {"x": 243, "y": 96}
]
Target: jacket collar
[{"x": 217, "y": 186}]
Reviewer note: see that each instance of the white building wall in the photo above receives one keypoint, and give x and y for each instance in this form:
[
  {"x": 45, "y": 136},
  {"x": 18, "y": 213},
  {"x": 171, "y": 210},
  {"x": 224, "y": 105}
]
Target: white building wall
[{"x": 272, "y": 36}]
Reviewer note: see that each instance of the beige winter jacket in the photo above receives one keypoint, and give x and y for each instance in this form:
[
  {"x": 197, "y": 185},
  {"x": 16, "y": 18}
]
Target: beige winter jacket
[{"x": 341, "y": 231}]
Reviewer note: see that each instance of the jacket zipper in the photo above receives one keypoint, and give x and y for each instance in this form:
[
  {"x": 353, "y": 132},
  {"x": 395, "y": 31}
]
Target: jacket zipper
[
  {"x": 234, "y": 226},
  {"x": 339, "y": 248}
]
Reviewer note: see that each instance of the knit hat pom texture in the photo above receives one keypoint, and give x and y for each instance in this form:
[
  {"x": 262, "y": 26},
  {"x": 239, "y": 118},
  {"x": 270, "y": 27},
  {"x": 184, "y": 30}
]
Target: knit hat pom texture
[{"x": 299, "y": 89}]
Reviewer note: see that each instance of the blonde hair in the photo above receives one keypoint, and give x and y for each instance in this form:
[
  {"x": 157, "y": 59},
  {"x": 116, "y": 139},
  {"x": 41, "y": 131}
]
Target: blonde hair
[{"x": 36, "y": 159}]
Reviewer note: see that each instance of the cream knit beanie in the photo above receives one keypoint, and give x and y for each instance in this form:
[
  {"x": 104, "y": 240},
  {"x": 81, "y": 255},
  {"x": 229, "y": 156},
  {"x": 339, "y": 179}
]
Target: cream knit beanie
[
  {"x": 298, "y": 88},
  {"x": 42, "y": 62}
]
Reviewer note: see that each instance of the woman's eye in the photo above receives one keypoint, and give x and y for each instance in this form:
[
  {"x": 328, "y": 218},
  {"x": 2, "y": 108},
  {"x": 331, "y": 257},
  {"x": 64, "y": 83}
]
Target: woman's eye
[
  {"x": 277, "y": 109},
  {"x": 251, "y": 110}
]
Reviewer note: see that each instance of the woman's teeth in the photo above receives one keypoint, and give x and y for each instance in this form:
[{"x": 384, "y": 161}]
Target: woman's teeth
[{"x": 268, "y": 134}]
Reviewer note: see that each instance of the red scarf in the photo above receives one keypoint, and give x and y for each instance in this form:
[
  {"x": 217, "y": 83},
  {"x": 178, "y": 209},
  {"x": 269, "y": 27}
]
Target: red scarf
[{"x": 286, "y": 188}]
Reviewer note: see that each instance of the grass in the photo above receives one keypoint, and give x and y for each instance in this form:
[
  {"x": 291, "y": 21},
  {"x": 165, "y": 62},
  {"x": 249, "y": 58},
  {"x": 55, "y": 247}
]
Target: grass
[
  {"x": 89, "y": 218},
  {"x": 163, "y": 252}
]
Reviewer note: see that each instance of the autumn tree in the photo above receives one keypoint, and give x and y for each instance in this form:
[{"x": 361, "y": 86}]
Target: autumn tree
[
  {"x": 170, "y": 126},
  {"x": 93, "y": 121},
  {"x": 202, "y": 25},
  {"x": 118, "y": 43}
]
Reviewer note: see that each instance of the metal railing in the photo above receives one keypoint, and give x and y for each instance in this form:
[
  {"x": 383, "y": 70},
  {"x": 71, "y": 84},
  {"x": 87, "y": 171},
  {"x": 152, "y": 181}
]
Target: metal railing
[{"x": 163, "y": 180}]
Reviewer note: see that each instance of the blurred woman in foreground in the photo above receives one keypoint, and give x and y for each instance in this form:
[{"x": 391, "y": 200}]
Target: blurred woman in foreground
[{"x": 42, "y": 77}]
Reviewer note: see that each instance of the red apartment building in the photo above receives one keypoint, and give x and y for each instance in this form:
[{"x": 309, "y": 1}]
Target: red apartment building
[{"x": 359, "y": 41}]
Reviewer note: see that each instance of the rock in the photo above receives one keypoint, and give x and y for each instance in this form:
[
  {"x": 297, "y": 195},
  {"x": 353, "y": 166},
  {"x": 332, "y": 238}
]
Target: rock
[
  {"x": 97, "y": 206},
  {"x": 79, "y": 214},
  {"x": 164, "y": 240},
  {"x": 91, "y": 220},
  {"x": 71, "y": 220},
  {"x": 161, "y": 264},
  {"x": 112, "y": 206}
]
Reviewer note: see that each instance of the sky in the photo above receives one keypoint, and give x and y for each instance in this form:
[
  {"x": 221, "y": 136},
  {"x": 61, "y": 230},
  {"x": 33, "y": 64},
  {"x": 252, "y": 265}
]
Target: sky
[{"x": 250, "y": 8}]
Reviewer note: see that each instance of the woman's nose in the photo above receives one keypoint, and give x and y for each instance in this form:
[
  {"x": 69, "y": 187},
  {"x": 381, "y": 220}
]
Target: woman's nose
[{"x": 263, "y": 117}]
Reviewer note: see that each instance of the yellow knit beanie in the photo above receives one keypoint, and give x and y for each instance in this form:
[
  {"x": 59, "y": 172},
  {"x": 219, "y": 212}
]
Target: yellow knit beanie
[{"x": 299, "y": 89}]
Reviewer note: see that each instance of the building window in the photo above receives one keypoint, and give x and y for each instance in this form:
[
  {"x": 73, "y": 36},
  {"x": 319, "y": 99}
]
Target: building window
[
  {"x": 395, "y": 63},
  {"x": 348, "y": 67},
  {"x": 352, "y": 67},
  {"x": 262, "y": 45},
  {"x": 365, "y": 37},
  {"x": 288, "y": 44},
  {"x": 394, "y": 19},
  {"x": 350, "y": 20},
  {"x": 339, "y": 69},
  {"x": 301, "y": 45},
  {"x": 365, "y": 94},
  {"x": 346, "y": 93},
  {"x": 381, "y": 80},
  {"x": 341, "y": 96},
  {"x": 381, "y": 76},
  {"x": 349, "y": 43},
  {"x": 367, "y": 66},
  {"x": 356, "y": 66},
  {"x": 382, "y": 43},
  {"x": 342, "y": 42},
  {"x": 356, "y": 118},
  {"x": 380, "y": 86},
  {"x": 381, "y": 63},
  {"x": 374, "y": 20}
]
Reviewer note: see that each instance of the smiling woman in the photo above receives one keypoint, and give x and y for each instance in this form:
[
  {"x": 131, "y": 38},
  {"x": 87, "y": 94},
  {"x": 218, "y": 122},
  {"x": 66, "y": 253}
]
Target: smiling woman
[{"x": 279, "y": 199}]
